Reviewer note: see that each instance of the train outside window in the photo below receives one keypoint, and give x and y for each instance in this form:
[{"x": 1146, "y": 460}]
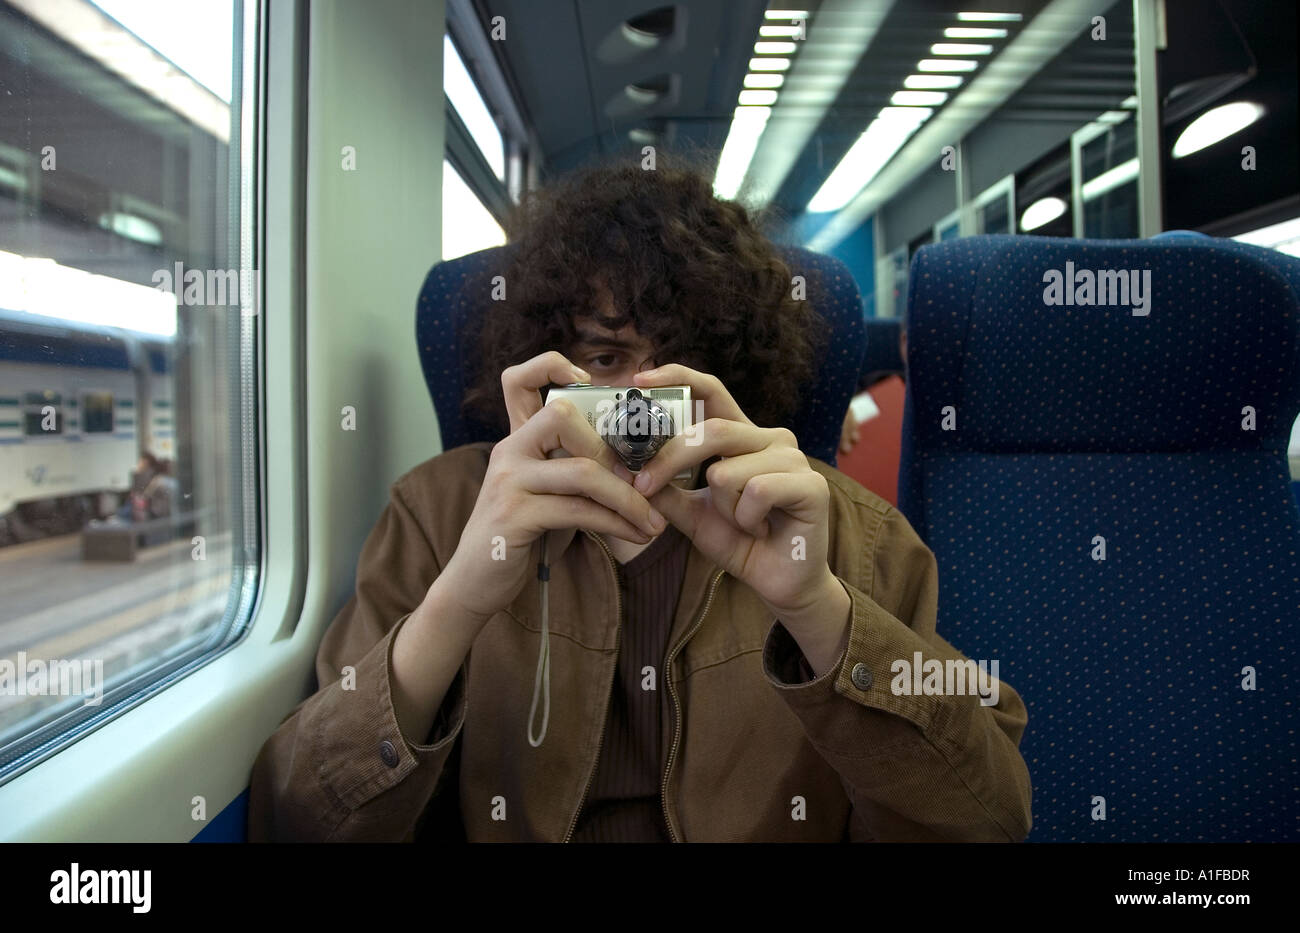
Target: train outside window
[{"x": 128, "y": 545}]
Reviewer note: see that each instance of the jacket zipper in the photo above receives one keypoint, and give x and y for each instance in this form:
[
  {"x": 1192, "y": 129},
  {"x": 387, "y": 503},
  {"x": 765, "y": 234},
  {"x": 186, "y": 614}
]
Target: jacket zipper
[
  {"x": 677, "y": 711},
  {"x": 618, "y": 637}
]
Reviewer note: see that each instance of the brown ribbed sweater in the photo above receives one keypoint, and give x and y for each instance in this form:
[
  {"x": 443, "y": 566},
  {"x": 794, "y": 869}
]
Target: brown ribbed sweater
[{"x": 623, "y": 800}]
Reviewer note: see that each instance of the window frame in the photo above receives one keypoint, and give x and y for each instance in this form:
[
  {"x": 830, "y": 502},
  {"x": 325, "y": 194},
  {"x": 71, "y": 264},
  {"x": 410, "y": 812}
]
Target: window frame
[
  {"x": 149, "y": 747},
  {"x": 82, "y": 393},
  {"x": 503, "y": 99},
  {"x": 1079, "y": 140}
]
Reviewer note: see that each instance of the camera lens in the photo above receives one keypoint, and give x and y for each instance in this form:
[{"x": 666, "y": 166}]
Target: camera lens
[{"x": 638, "y": 428}]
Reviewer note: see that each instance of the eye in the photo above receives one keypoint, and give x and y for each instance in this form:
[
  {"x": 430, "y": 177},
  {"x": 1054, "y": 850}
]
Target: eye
[{"x": 605, "y": 360}]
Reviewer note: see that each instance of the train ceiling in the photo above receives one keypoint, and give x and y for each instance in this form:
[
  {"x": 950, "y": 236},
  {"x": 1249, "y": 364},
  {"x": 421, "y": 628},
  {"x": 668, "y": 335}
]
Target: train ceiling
[{"x": 574, "y": 68}]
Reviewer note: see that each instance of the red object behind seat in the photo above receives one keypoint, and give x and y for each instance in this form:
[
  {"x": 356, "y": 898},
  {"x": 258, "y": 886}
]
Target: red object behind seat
[{"x": 873, "y": 462}]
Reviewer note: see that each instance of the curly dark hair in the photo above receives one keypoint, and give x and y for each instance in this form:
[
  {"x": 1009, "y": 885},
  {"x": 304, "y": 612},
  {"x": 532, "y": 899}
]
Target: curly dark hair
[{"x": 691, "y": 272}]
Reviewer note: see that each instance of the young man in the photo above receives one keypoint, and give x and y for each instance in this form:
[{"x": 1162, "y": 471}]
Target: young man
[{"x": 723, "y": 650}]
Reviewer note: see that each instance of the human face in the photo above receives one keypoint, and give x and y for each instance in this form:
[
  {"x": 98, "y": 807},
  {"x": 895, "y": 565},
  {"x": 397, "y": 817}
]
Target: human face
[{"x": 612, "y": 357}]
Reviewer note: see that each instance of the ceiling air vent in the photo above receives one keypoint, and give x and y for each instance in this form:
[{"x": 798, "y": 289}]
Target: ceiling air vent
[
  {"x": 649, "y": 29},
  {"x": 657, "y": 30}
]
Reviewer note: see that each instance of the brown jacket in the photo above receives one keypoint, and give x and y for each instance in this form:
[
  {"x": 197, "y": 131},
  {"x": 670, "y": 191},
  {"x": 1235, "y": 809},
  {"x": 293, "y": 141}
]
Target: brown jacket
[{"x": 752, "y": 755}]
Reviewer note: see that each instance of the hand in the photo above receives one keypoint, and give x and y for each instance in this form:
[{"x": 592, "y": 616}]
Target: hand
[
  {"x": 764, "y": 514},
  {"x": 848, "y": 432},
  {"x": 525, "y": 493}
]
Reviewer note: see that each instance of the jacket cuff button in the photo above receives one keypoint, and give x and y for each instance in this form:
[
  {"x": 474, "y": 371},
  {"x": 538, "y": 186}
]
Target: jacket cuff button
[
  {"x": 388, "y": 753},
  {"x": 861, "y": 676}
]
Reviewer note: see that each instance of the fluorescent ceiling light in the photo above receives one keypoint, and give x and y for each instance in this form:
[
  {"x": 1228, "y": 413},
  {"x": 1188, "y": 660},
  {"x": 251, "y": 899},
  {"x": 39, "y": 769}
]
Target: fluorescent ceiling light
[
  {"x": 1283, "y": 237},
  {"x": 1112, "y": 178},
  {"x": 12, "y": 179},
  {"x": 757, "y": 98},
  {"x": 875, "y": 147},
  {"x": 774, "y": 48},
  {"x": 747, "y": 124},
  {"x": 989, "y": 17},
  {"x": 973, "y": 32},
  {"x": 786, "y": 14},
  {"x": 769, "y": 64},
  {"x": 921, "y": 82},
  {"x": 1044, "y": 37},
  {"x": 774, "y": 32},
  {"x": 46, "y": 288},
  {"x": 816, "y": 77},
  {"x": 132, "y": 227},
  {"x": 946, "y": 64},
  {"x": 1215, "y": 125},
  {"x": 1043, "y": 211},
  {"x": 960, "y": 48},
  {"x": 918, "y": 98},
  {"x": 764, "y": 80}
]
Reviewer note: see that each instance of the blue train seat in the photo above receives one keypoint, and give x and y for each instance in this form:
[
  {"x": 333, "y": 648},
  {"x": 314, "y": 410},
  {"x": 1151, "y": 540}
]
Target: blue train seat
[{"x": 1106, "y": 493}]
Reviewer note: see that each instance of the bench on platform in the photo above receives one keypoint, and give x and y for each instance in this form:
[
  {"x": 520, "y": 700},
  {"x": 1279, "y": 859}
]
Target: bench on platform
[{"x": 114, "y": 539}]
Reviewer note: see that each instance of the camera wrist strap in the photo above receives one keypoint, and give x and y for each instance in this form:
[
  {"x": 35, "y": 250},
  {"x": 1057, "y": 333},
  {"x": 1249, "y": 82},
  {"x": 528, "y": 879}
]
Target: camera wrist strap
[{"x": 543, "y": 679}]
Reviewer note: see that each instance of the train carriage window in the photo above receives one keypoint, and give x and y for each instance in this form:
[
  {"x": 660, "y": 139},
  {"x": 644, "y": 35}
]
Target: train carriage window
[
  {"x": 470, "y": 106},
  {"x": 467, "y": 226},
  {"x": 126, "y": 291},
  {"x": 1105, "y": 166},
  {"x": 43, "y": 413},
  {"x": 97, "y": 413}
]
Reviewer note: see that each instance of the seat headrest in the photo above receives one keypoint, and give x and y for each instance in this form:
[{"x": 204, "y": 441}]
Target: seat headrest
[
  {"x": 1045, "y": 344},
  {"x": 456, "y": 292}
]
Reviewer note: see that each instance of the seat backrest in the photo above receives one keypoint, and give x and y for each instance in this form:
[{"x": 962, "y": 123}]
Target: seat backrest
[
  {"x": 456, "y": 292},
  {"x": 1106, "y": 494}
]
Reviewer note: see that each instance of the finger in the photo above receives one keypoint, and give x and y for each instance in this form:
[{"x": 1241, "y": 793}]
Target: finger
[
  {"x": 548, "y": 513},
  {"x": 681, "y": 507},
  {"x": 579, "y": 476},
  {"x": 520, "y": 383},
  {"x": 559, "y": 426},
  {"x": 706, "y": 389},
  {"x": 727, "y": 478},
  {"x": 716, "y": 437},
  {"x": 802, "y": 496}
]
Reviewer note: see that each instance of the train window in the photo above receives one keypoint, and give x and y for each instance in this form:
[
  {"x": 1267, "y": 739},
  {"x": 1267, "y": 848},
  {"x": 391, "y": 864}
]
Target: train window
[
  {"x": 467, "y": 226},
  {"x": 128, "y": 312},
  {"x": 97, "y": 413},
  {"x": 1105, "y": 166},
  {"x": 995, "y": 208},
  {"x": 470, "y": 106},
  {"x": 43, "y": 413}
]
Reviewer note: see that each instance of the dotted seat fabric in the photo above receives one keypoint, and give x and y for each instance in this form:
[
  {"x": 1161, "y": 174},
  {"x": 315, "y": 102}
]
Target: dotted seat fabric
[
  {"x": 1081, "y": 426},
  {"x": 455, "y": 293}
]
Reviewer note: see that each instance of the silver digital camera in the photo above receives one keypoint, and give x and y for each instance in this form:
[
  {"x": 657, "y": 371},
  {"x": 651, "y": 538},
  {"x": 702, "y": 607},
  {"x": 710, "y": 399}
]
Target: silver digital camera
[{"x": 635, "y": 422}]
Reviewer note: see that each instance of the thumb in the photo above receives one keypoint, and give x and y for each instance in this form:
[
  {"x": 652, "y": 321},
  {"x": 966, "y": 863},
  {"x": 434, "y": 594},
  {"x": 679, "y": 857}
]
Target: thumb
[{"x": 680, "y": 507}]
